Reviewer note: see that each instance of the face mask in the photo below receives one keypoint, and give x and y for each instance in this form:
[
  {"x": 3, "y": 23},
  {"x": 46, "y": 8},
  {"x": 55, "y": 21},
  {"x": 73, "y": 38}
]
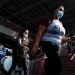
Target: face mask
[{"x": 59, "y": 13}]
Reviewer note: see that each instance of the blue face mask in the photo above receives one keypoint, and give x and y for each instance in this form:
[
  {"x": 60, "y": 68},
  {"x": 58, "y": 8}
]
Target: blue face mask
[{"x": 59, "y": 13}]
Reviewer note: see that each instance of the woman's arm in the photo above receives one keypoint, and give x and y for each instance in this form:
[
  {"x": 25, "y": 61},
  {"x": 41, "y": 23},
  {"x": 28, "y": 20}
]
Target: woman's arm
[
  {"x": 10, "y": 50},
  {"x": 65, "y": 39},
  {"x": 20, "y": 41},
  {"x": 43, "y": 24},
  {"x": 38, "y": 37}
]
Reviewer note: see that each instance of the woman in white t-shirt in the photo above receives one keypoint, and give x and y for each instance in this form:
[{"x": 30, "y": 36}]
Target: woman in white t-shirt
[{"x": 49, "y": 36}]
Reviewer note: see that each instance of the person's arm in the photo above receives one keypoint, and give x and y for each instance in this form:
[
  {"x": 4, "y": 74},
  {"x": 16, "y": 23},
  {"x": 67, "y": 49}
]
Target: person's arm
[
  {"x": 42, "y": 26},
  {"x": 10, "y": 50},
  {"x": 20, "y": 41},
  {"x": 38, "y": 37},
  {"x": 65, "y": 38}
]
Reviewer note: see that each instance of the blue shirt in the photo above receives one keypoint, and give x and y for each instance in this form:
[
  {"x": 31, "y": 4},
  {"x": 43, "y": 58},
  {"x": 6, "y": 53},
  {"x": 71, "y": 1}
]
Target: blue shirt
[{"x": 3, "y": 52}]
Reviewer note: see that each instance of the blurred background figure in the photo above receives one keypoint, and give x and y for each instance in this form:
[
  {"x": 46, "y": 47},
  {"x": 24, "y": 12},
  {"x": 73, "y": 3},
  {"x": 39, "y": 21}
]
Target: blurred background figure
[
  {"x": 4, "y": 51},
  {"x": 5, "y": 54},
  {"x": 24, "y": 41}
]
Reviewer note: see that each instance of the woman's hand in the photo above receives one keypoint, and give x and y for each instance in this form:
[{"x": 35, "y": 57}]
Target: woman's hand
[
  {"x": 65, "y": 39},
  {"x": 34, "y": 50}
]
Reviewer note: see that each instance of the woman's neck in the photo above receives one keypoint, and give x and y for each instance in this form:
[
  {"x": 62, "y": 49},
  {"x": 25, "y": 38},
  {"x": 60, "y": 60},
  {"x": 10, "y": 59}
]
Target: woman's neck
[{"x": 55, "y": 17}]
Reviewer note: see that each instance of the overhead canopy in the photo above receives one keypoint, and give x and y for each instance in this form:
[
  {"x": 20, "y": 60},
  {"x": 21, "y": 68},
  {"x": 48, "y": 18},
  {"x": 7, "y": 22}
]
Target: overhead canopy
[{"x": 27, "y": 13}]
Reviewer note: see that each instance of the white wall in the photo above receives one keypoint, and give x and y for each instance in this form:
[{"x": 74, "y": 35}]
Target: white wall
[{"x": 8, "y": 31}]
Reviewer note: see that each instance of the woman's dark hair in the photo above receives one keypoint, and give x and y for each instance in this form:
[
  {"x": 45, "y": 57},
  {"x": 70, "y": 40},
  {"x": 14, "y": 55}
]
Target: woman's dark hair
[
  {"x": 57, "y": 6},
  {"x": 54, "y": 8}
]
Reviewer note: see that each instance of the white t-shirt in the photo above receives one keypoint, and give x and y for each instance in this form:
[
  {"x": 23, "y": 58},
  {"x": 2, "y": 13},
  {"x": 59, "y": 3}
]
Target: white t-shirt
[{"x": 54, "y": 33}]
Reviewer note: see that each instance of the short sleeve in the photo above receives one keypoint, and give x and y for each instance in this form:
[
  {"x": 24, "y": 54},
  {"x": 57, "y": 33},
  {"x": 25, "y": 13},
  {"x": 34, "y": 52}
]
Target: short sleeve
[{"x": 44, "y": 22}]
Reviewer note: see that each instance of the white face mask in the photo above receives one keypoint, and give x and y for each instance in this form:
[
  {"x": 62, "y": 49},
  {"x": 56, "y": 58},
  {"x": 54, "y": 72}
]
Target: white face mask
[{"x": 59, "y": 13}]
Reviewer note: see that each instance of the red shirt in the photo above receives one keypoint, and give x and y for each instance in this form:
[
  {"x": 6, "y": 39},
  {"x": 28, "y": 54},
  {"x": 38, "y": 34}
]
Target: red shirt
[{"x": 45, "y": 21}]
